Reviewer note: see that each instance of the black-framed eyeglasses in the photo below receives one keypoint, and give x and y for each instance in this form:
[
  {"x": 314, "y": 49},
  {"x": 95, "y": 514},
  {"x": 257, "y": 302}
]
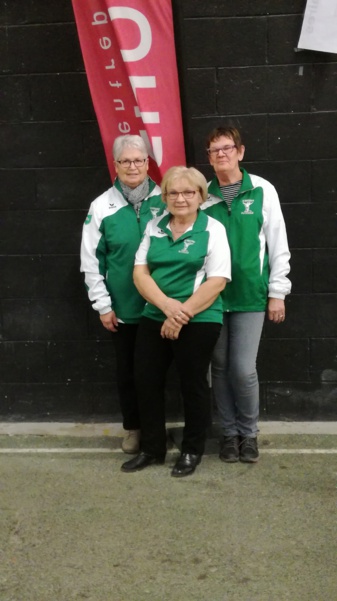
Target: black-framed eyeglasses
[
  {"x": 126, "y": 163},
  {"x": 228, "y": 149},
  {"x": 187, "y": 194}
]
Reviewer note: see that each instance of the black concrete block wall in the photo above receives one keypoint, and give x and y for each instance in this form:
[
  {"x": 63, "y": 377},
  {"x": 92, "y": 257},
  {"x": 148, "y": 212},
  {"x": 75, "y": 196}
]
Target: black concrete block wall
[
  {"x": 236, "y": 61},
  {"x": 55, "y": 361},
  {"x": 238, "y": 64}
]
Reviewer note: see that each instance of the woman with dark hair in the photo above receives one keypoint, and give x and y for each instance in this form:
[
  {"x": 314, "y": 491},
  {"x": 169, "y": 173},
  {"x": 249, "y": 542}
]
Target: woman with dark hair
[{"x": 249, "y": 208}]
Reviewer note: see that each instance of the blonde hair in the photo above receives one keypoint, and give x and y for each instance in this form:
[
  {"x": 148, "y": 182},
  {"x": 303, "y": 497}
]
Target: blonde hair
[{"x": 195, "y": 177}]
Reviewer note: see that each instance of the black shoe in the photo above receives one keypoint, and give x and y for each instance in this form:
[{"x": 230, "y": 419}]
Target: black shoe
[
  {"x": 249, "y": 452},
  {"x": 185, "y": 465},
  {"x": 229, "y": 451},
  {"x": 141, "y": 461}
]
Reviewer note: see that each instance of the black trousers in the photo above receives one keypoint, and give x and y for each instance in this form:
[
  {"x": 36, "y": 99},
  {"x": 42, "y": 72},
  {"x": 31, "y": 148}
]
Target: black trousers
[
  {"x": 192, "y": 354},
  {"x": 124, "y": 341}
]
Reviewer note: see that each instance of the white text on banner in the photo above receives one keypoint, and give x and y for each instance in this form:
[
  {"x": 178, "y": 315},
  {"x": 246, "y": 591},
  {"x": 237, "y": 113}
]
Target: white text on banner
[{"x": 129, "y": 56}]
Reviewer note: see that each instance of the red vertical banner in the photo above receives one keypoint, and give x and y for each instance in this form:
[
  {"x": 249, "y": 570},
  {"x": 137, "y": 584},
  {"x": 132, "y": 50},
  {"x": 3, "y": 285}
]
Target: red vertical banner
[{"x": 129, "y": 56}]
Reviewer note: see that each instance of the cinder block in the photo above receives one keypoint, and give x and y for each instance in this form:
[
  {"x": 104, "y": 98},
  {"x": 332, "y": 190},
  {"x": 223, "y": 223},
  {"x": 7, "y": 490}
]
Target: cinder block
[
  {"x": 21, "y": 277},
  {"x": 43, "y": 319},
  {"x": 41, "y": 232},
  {"x": 290, "y": 136},
  {"x": 14, "y": 99},
  {"x": 308, "y": 316},
  {"x": 36, "y": 11},
  {"x": 323, "y": 135},
  {"x": 23, "y": 232},
  {"x": 62, "y": 277},
  {"x": 70, "y": 188},
  {"x": 63, "y": 231},
  {"x": 232, "y": 8},
  {"x": 36, "y": 276},
  {"x": 302, "y": 136},
  {"x": 33, "y": 145},
  {"x": 301, "y": 271},
  {"x": 324, "y": 185},
  {"x": 292, "y": 180},
  {"x": 93, "y": 150},
  {"x": 53, "y": 48},
  {"x": 201, "y": 85},
  {"x": 23, "y": 362},
  {"x": 91, "y": 361},
  {"x": 61, "y": 97},
  {"x": 324, "y": 87},
  {"x": 17, "y": 189},
  {"x": 225, "y": 43},
  {"x": 325, "y": 270},
  {"x": 308, "y": 226},
  {"x": 284, "y": 360},
  {"x": 324, "y": 359},
  {"x": 266, "y": 89}
]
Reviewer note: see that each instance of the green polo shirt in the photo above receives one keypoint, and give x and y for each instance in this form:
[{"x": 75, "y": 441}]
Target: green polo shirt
[{"x": 180, "y": 266}]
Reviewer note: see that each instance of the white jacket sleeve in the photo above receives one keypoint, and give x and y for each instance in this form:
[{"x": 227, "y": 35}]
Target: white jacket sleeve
[
  {"x": 277, "y": 243},
  {"x": 93, "y": 254},
  {"x": 218, "y": 262}
]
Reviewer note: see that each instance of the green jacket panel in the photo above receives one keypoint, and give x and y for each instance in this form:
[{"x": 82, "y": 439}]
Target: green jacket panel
[
  {"x": 251, "y": 223},
  {"x": 111, "y": 236}
]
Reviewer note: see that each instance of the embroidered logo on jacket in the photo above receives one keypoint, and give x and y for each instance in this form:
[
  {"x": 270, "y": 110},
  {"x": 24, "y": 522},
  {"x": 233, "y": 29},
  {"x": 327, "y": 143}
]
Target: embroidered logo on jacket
[
  {"x": 88, "y": 219},
  {"x": 154, "y": 211},
  {"x": 187, "y": 243},
  {"x": 247, "y": 203}
]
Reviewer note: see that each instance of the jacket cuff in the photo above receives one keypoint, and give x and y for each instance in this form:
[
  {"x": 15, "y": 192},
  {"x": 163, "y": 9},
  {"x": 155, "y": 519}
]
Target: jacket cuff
[{"x": 105, "y": 310}]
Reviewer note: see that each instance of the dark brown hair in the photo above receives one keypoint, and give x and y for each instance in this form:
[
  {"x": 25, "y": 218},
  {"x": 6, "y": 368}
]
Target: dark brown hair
[{"x": 228, "y": 132}]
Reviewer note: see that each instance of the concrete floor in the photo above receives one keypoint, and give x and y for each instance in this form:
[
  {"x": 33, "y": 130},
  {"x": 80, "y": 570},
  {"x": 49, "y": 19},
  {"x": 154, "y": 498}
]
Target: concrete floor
[{"x": 74, "y": 527}]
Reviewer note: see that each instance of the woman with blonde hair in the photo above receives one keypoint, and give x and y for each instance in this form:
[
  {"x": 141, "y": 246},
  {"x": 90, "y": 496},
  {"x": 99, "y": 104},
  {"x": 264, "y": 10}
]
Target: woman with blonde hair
[{"x": 181, "y": 267}]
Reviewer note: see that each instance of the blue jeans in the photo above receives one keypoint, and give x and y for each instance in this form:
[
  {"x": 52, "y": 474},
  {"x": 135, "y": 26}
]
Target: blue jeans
[{"x": 234, "y": 377}]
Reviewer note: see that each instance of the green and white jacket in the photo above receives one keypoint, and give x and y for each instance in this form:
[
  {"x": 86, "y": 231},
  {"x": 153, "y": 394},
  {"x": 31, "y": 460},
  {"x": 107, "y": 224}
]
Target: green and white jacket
[
  {"x": 180, "y": 266},
  {"x": 258, "y": 241},
  {"x": 111, "y": 236}
]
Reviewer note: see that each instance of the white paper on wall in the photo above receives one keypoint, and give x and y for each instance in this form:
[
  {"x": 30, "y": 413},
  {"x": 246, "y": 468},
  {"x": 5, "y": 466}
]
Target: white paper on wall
[{"x": 319, "y": 29}]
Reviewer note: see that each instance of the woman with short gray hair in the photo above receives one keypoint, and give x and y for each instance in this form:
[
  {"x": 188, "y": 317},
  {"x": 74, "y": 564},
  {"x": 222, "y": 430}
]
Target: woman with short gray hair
[{"x": 111, "y": 235}]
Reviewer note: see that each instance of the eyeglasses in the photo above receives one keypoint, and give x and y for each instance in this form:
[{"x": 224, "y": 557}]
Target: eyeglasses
[
  {"x": 126, "y": 163},
  {"x": 225, "y": 149},
  {"x": 187, "y": 194}
]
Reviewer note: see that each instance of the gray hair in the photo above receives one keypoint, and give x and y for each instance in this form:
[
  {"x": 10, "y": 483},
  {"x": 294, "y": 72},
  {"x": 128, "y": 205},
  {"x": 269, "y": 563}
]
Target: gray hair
[{"x": 126, "y": 142}]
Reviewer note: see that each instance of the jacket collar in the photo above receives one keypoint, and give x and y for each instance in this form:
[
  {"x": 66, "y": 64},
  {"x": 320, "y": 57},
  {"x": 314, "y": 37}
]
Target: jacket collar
[
  {"x": 198, "y": 226},
  {"x": 117, "y": 185},
  {"x": 214, "y": 187}
]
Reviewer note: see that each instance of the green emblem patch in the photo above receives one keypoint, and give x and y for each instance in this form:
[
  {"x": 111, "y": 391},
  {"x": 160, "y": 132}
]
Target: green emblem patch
[{"x": 88, "y": 219}]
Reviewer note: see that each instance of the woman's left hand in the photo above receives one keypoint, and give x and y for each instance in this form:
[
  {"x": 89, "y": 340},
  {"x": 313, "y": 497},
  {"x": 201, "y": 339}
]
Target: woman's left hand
[
  {"x": 170, "y": 331},
  {"x": 276, "y": 310}
]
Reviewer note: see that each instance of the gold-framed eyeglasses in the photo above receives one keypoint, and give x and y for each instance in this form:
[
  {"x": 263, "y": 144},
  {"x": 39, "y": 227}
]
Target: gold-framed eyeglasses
[
  {"x": 187, "y": 194},
  {"x": 126, "y": 163},
  {"x": 228, "y": 149}
]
